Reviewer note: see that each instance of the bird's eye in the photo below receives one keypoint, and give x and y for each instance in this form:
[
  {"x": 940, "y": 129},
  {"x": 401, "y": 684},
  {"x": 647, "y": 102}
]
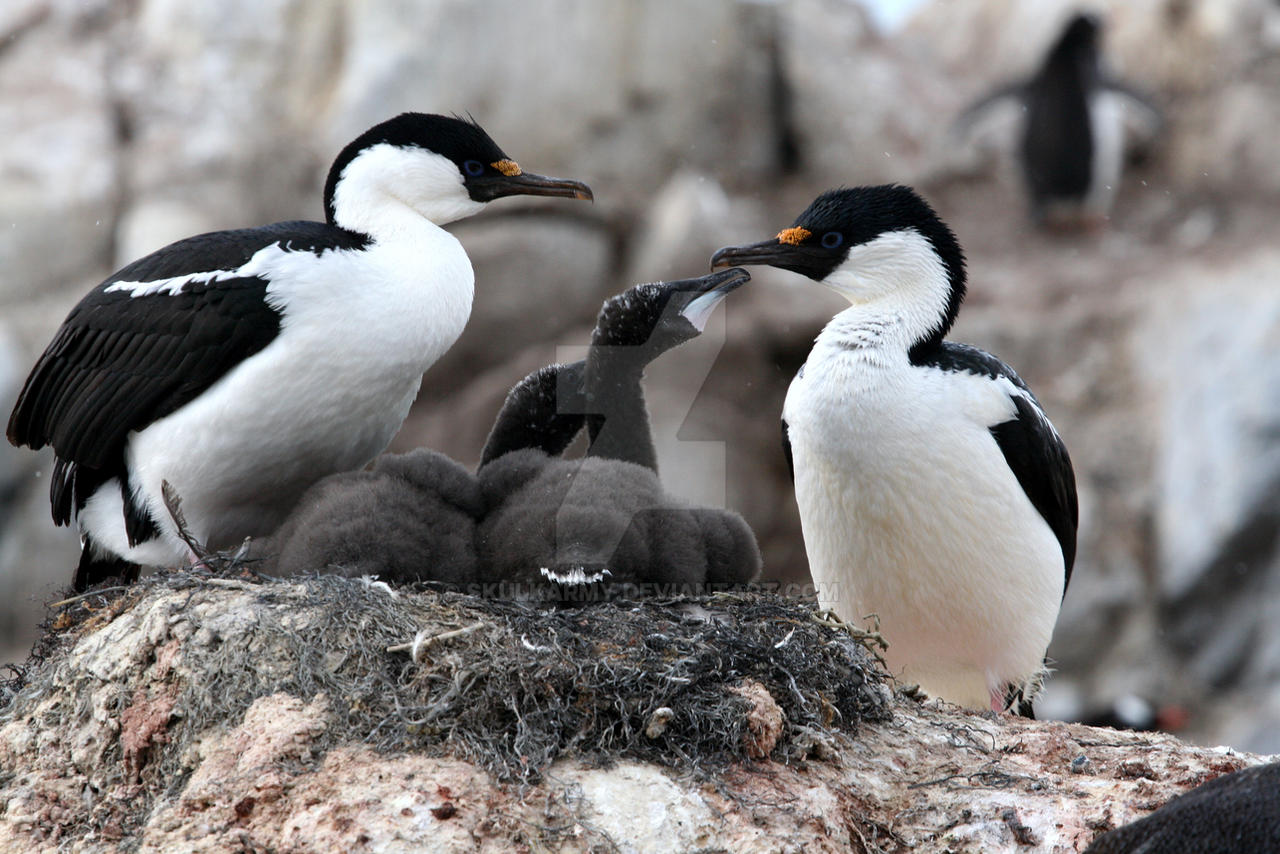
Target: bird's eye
[
  {"x": 832, "y": 239},
  {"x": 474, "y": 168}
]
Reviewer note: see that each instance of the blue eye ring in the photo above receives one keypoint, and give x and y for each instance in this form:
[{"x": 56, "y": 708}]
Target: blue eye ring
[
  {"x": 473, "y": 168},
  {"x": 832, "y": 240}
]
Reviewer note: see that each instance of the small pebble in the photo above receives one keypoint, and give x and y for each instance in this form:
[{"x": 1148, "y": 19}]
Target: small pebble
[{"x": 658, "y": 721}]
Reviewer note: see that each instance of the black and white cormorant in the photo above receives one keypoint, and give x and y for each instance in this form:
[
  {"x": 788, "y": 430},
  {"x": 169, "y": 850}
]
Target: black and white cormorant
[
  {"x": 242, "y": 366},
  {"x": 1072, "y": 144},
  {"x": 604, "y": 522},
  {"x": 933, "y": 491}
]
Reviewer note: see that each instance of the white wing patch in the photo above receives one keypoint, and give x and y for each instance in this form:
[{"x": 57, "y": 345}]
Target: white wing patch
[
  {"x": 256, "y": 266},
  {"x": 169, "y": 287},
  {"x": 1014, "y": 390}
]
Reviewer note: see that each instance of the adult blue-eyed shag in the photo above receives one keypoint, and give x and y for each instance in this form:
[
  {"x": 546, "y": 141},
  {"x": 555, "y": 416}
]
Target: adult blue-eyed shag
[
  {"x": 242, "y": 366},
  {"x": 933, "y": 491}
]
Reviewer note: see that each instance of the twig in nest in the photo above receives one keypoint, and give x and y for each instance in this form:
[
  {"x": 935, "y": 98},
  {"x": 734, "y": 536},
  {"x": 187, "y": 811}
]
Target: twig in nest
[
  {"x": 233, "y": 583},
  {"x": 966, "y": 736},
  {"x": 988, "y": 778},
  {"x": 872, "y": 640},
  {"x": 173, "y": 503},
  {"x": 421, "y": 643},
  {"x": 62, "y": 602}
]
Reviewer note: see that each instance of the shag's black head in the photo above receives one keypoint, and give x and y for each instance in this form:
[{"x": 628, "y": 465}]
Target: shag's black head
[
  {"x": 822, "y": 236},
  {"x": 487, "y": 172},
  {"x": 1079, "y": 39},
  {"x": 657, "y": 316}
]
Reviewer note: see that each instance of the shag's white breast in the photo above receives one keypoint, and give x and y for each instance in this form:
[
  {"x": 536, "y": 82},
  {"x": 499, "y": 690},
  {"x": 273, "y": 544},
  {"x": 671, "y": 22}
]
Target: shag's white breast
[{"x": 910, "y": 512}]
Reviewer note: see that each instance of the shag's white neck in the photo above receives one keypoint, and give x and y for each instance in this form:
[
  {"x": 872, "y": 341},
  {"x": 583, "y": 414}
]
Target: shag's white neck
[
  {"x": 898, "y": 289},
  {"x": 387, "y": 189}
]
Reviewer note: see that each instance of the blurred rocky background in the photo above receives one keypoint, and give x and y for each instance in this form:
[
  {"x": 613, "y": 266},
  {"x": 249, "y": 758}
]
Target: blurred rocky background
[{"x": 1154, "y": 343}]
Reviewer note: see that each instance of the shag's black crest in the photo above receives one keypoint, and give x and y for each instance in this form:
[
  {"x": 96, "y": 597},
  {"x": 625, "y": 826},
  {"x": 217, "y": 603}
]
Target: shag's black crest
[{"x": 456, "y": 138}]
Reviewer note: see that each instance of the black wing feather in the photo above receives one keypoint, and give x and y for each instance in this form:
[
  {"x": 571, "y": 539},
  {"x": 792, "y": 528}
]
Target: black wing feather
[
  {"x": 1039, "y": 460},
  {"x": 227, "y": 250},
  {"x": 1030, "y": 445},
  {"x": 120, "y": 362}
]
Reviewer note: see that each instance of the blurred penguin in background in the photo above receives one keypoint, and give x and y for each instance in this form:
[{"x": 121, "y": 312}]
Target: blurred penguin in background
[{"x": 1074, "y": 124}]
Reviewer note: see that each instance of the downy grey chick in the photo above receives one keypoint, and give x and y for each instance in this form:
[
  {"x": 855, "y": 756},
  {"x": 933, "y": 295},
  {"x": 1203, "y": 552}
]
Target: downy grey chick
[{"x": 603, "y": 525}]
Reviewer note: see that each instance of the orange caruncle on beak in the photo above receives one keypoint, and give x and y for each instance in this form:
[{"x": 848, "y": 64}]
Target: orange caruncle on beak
[
  {"x": 794, "y": 236},
  {"x": 507, "y": 167}
]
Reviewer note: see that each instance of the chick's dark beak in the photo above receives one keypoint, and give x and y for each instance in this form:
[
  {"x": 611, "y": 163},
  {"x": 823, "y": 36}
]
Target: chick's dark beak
[
  {"x": 721, "y": 282},
  {"x": 486, "y": 188},
  {"x": 711, "y": 289}
]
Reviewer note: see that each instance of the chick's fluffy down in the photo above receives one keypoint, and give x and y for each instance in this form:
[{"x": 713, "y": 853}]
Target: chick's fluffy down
[
  {"x": 594, "y": 514},
  {"x": 411, "y": 518}
]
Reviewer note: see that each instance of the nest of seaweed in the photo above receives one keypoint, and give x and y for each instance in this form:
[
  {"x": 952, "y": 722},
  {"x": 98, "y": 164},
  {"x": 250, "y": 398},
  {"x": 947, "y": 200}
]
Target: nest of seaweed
[{"x": 508, "y": 686}]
